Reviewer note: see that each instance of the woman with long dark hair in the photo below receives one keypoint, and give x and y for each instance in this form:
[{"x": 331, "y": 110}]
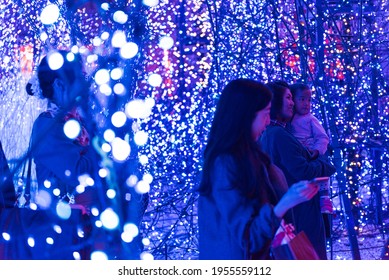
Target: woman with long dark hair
[
  {"x": 296, "y": 163},
  {"x": 243, "y": 196}
]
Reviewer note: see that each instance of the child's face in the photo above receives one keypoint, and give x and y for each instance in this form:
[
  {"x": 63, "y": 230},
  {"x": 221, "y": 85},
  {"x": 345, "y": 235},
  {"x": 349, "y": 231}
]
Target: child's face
[{"x": 302, "y": 102}]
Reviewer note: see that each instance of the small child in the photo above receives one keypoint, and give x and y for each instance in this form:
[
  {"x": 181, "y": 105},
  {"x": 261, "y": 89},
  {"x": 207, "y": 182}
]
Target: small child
[{"x": 309, "y": 131}]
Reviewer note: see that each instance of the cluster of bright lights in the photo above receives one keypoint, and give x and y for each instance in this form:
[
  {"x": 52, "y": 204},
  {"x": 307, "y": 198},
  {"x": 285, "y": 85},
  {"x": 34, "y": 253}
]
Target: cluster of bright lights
[{"x": 167, "y": 114}]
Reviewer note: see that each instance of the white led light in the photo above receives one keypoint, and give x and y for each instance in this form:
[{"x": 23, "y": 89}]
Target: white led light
[
  {"x": 154, "y": 80},
  {"x": 143, "y": 159},
  {"x": 150, "y": 3},
  {"x": 72, "y": 128},
  {"x": 146, "y": 256},
  {"x": 137, "y": 109},
  {"x": 111, "y": 193},
  {"x": 141, "y": 137},
  {"x": 119, "y": 89},
  {"x": 49, "y": 14},
  {"x": 142, "y": 187},
  {"x": 55, "y": 60},
  {"x": 117, "y": 73},
  {"x": 105, "y": 89},
  {"x": 63, "y": 210},
  {"x": 131, "y": 229},
  {"x": 147, "y": 178},
  {"x": 119, "y": 119},
  {"x": 129, "y": 50},
  {"x": 109, "y": 135},
  {"x": 70, "y": 56},
  {"x": 103, "y": 172},
  {"x": 102, "y": 77},
  {"x": 105, "y": 35},
  {"x": 31, "y": 242},
  {"x": 120, "y": 17},
  {"x": 120, "y": 149},
  {"x": 119, "y": 39},
  {"x": 99, "y": 255},
  {"x": 132, "y": 181},
  {"x": 109, "y": 219},
  {"x": 166, "y": 42}
]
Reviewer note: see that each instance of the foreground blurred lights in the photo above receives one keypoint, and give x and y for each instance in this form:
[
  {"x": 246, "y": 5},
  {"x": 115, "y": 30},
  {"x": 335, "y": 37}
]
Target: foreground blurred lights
[
  {"x": 43, "y": 38},
  {"x": 50, "y": 14},
  {"x": 116, "y": 73},
  {"x": 102, "y": 77},
  {"x": 105, "y": 35},
  {"x": 119, "y": 89},
  {"x": 118, "y": 39},
  {"x": 166, "y": 42},
  {"x": 146, "y": 256},
  {"x": 92, "y": 58},
  {"x": 31, "y": 242},
  {"x": 132, "y": 180},
  {"x": 150, "y": 3},
  {"x": 149, "y": 102},
  {"x": 143, "y": 159},
  {"x": 72, "y": 128},
  {"x": 109, "y": 135},
  {"x": 70, "y": 56},
  {"x": 111, "y": 193},
  {"x": 129, "y": 50},
  {"x": 105, "y": 89},
  {"x": 99, "y": 255},
  {"x": 76, "y": 256},
  {"x": 130, "y": 231},
  {"x": 120, "y": 149},
  {"x": 142, "y": 187},
  {"x": 43, "y": 199},
  {"x": 119, "y": 119},
  {"x": 109, "y": 219},
  {"x": 147, "y": 178},
  {"x": 106, "y": 147},
  {"x": 141, "y": 138},
  {"x": 103, "y": 172},
  {"x": 6, "y": 236},
  {"x": 137, "y": 109},
  {"x": 120, "y": 17},
  {"x": 146, "y": 241},
  {"x": 154, "y": 80},
  {"x": 86, "y": 180},
  {"x": 63, "y": 210},
  {"x": 55, "y": 60}
]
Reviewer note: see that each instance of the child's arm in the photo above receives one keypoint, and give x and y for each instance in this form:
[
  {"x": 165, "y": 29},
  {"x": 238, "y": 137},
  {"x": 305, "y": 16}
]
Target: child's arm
[{"x": 320, "y": 136}]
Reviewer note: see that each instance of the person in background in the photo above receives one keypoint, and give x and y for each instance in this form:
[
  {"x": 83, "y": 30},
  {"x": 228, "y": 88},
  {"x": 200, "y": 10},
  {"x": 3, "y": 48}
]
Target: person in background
[
  {"x": 310, "y": 132},
  {"x": 296, "y": 163},
  {"x": 61, "y": 160},
  {"x": 68, "y": 161},
  {"x": 243, "y": 196},
  {"x": 305, "y": 126}
]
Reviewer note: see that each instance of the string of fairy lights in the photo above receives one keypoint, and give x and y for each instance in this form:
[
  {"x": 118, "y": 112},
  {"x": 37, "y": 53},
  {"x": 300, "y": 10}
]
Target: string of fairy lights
[{"x": 158, "y": 67}]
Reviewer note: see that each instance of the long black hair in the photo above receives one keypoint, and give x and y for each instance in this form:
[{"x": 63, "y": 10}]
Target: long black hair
[
  {"x": 278, "y": 89},
  {"x": 231, "y": 134}
]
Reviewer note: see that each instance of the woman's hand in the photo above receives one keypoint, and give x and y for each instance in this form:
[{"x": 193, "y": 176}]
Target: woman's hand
[{"x": 297, "y": 193}]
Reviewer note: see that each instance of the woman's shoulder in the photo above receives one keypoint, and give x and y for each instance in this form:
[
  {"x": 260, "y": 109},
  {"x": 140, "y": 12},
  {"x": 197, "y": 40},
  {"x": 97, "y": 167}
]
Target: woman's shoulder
[{"x": 276, "y": 132}]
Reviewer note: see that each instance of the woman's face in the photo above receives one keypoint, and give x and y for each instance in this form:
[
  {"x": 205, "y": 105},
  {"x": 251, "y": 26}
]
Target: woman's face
[
  {"x": 287, "y": 107},
  {"x": 261, "y": 121}
]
